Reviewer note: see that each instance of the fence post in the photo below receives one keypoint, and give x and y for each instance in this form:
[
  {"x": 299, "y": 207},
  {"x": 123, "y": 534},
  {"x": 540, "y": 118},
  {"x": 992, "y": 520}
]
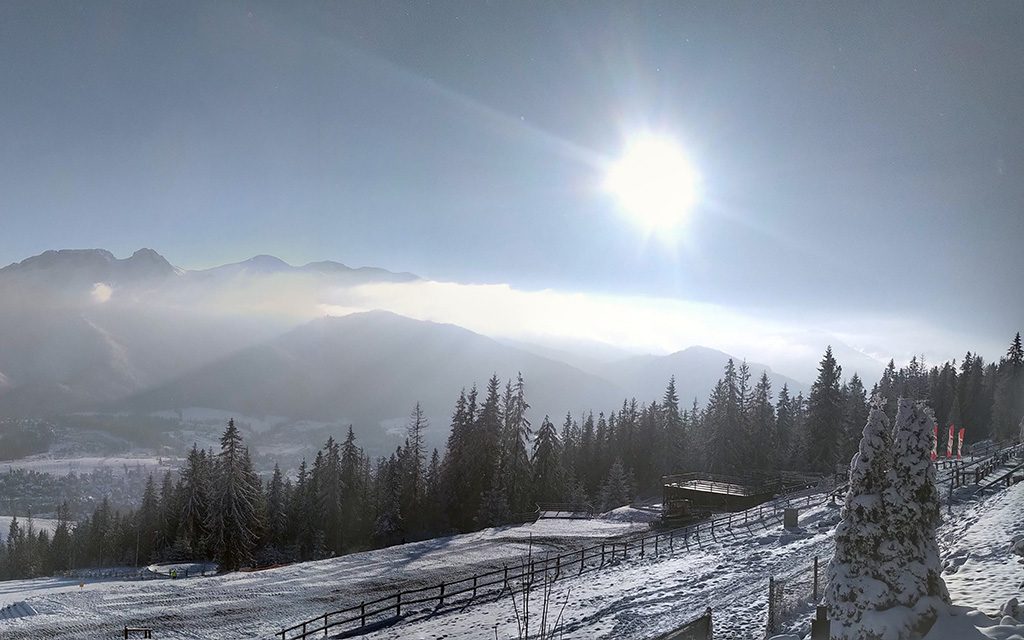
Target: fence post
[
  {"x": 474, "y": 586},
  {"x": 655, "y": 544},
  {"x": 505, "y": 584},
  {"x": 362, "y": 613},
  {"x": 820, "y": 626},
  {"x": 771, "y": 605},
  {"x": 440, "y": 601},
  {"x": 325, "y": 624},
  {"x": 398, "y": 604},
  {"x": 815, "y": 579},
  {"x": 558, "y": 566},
  {"x": 672, "y": 541},
  {"x": 583, "y": 554},
  {"x": 602, "y": 554}
]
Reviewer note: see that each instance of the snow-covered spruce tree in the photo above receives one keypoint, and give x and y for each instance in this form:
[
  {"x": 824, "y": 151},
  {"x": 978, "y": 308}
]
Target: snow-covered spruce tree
[
  {"x": 911, "y": 555},
  {"x": 855, "y": 578}
]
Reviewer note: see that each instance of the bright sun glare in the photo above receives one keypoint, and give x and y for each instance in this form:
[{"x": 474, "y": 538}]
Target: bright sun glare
[{"x": 654, "y": 182}]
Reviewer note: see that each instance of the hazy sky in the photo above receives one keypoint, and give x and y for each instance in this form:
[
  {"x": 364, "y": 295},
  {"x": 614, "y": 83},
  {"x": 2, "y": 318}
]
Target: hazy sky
[{"x": 863, "y": 163}]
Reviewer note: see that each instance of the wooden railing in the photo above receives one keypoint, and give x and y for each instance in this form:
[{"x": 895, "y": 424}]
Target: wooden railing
[
  {"x": 960, "y": 473},
  {"x": 373, "y": 614}
]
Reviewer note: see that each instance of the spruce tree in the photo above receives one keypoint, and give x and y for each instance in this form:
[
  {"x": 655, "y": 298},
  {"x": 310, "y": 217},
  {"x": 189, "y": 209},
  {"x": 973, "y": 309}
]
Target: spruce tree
[
  {"x": 61, "y": 545},
  {"x": 277, "y": 516},
  {"x": 761, "y": 434},
  {"x": 234, "y": 518},
  {"x": 514, "y": 461},
  {"x": 617, "y": 489},
  {"x": 148, "y": 522},
  {"x": 388, "y": 527},
  {"x": 855, "y": 413},
  {"x": 170, "y": 513},
  {"x": 415, "y": 459},
  {"x": 825, "y": 416},
  {"x": 194, "y": 502},
  {"x": 548, "y": 480},
  {"x": 459, "y": 482},
  {"x": 1008, "y": 396}
]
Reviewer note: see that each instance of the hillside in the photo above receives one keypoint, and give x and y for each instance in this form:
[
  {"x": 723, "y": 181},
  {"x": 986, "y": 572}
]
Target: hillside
[
  {"x": 696, "y": 370},
  {"x": 371, "y": 368}
]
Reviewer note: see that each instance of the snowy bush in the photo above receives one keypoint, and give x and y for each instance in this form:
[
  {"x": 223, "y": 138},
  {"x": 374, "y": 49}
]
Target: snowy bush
[
  {"x": 855, "y": 575},
  {"x": 911, "y": 500},
  {"x": 884, "y": 579}
]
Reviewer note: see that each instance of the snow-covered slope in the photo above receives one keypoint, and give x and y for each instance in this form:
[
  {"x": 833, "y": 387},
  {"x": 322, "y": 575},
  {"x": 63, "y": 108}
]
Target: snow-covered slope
[
  {"x": 638, "y": 598},
  {"x": 259, "y": 604}
]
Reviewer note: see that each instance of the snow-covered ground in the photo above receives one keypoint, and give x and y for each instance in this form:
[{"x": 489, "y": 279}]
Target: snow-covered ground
[
  {"x": 38, "y": 524},
  {"x": 259, "y": 604},
  {"x": 44, "y": 463},
  {"x": 638, "y": 598},
  {"x": 983, "y": 551}
]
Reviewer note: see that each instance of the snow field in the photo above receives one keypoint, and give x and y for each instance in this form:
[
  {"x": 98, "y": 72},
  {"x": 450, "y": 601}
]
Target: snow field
[
  {"x": 258, "y": 604},
  {"x": 43, "y": 463},
  {"x": 638, "y": 598},
  {"x": 38, "y": 524}
]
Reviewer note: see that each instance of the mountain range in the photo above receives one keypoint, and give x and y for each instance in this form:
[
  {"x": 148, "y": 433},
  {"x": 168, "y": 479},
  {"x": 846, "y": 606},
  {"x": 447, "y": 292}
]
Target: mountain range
[{"x": 81, "y": 330}]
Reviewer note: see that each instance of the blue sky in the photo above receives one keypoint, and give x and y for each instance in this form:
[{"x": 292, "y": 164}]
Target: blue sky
[{"x": 860, "y": 161}]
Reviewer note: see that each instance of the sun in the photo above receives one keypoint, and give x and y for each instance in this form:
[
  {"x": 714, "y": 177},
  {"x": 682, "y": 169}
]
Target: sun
[{"x": 654, "y": 182}]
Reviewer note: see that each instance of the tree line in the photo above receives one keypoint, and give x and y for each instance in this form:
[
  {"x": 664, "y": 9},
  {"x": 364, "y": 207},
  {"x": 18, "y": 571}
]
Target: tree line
[{"x": 497, "y": 466}]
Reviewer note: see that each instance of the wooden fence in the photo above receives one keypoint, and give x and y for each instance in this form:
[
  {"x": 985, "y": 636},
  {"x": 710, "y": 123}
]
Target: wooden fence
[{"x": 373, "y": 614}]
